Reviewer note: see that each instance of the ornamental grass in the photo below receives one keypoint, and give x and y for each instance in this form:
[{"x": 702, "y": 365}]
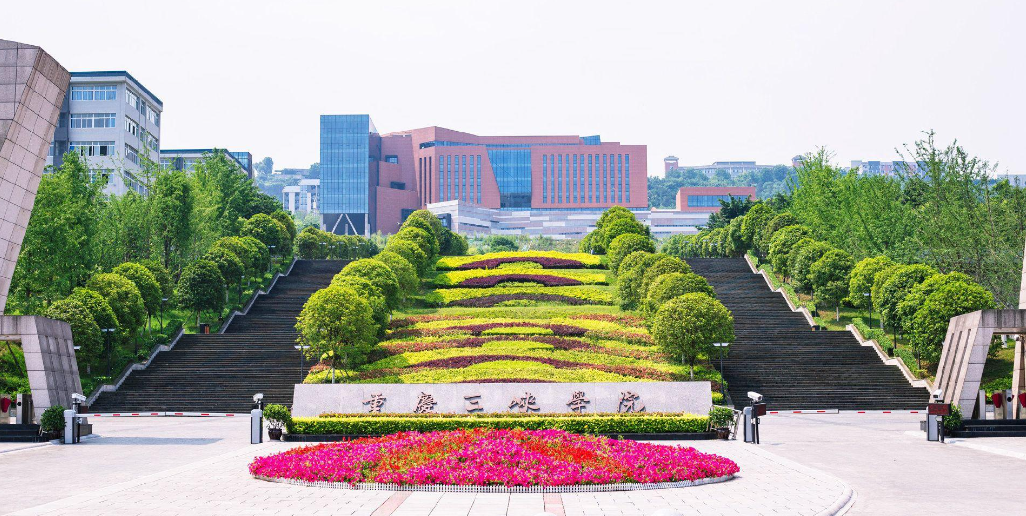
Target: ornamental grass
[{"x": 484, "y": 457}]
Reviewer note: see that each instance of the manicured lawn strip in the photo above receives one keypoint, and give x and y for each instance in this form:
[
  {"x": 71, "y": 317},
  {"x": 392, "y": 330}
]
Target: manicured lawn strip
[
  {"x": 518, "y": 300},
  {"x": 524, "y": 350},
  {"x": 594, "y": 295},
  {"x": 486, "y": 371},
  {"x": 553, "y": 259},
  {"x": 461, "y": 277},
  {"x": 542, "y": 311},
  {"x": 584, "y": 424},
  {"x": 607, "y": 347}
]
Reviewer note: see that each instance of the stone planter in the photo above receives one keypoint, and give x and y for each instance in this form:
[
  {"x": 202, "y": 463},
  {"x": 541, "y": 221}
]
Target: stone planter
[
  {"x": 274, "y": 434},
  {"x": 723, "y": 433}
]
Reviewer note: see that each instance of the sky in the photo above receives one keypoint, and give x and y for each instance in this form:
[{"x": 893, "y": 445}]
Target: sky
[{"x": 704, "y": 81}]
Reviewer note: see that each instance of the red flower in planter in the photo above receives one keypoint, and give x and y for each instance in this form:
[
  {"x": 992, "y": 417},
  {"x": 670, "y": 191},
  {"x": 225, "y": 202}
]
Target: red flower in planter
[{"x": 543, "y": 279}]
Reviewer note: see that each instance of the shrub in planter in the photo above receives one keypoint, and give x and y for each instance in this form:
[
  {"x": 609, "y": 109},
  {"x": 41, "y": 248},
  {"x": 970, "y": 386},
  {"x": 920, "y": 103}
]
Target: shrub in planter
[
  {"x": 278, "y": 417},
  {"x": 52, "y": 421}
]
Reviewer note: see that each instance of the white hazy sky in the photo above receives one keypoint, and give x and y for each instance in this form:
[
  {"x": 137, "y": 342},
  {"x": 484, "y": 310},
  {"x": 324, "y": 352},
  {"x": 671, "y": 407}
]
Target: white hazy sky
[{"x": 705, "y": 81}]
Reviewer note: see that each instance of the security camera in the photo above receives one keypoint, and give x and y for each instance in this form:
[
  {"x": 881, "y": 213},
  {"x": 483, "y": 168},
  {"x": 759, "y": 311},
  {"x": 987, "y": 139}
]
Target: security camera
[
  {"x": 78, "y": 397},
  {"x": 938, "y": 394},
  {"x": 754, "y": 396},
  {"x": 258, "y": 397}
]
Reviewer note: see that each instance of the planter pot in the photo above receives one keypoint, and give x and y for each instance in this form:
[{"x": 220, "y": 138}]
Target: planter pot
[
  {"x": 274, "y": 434},
  {"x": 723, "y": 433}
]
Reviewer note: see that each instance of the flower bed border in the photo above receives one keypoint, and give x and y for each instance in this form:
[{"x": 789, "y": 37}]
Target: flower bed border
[
  {"x": 436, "y": 488},
  {"x": 667, "y": 436}
]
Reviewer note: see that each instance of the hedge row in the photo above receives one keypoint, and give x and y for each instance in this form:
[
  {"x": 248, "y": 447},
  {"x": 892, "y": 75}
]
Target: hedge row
[{"x": 583, "y": 424}]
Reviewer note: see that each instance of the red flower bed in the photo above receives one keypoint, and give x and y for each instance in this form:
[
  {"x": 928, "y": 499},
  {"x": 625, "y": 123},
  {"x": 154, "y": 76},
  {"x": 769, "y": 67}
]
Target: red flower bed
[
  {"x": 566, "y": 343},
  {"x": 563, "y": 330},
  {"x": 402, "y": 322},
  {"x": 467, "y": 361},
  {"x": 546, "y": 262},
  {"x": 487, "y": 301},
  {"x": 542, "y": 279},
  {"x": 484, "y": 457}
]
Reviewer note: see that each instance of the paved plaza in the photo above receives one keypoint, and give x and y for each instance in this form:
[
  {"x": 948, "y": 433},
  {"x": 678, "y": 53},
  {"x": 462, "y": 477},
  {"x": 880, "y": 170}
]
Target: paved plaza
[{"x": 827, "y": 464}]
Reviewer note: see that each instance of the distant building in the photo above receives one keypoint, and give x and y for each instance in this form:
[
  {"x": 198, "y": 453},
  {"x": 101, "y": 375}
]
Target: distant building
[
  {"x": 370, "y": 181},
  {"x": 113, "y": 121},
  {"x": 884, "y": 168},
  {"x": 246, "y": 159},
  {"x": 734, "y": 168},
  {"x": 706, "y": 199},
  {"x": 185, "y": 159},
  {"x": 301, "y": 197}
]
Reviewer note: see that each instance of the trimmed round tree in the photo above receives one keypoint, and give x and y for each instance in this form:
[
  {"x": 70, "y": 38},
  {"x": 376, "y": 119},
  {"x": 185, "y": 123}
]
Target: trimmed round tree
[
  {"x": 456, "y": 244},
  {"x": 267, "y": 230},
  {"x": 260, "y": 253},
  {"x": 626, "y": 244},
  {"x": 423, "y": 224},
  {"x": 686, "y": 327},
  {"x": 308, "y": 244},
  {"x": 287, "y": 222},
  {"x": 434, "y": 225},
  {"x": 405, "y": 274},
  {"x": 379, "y": 275},
  {"x": 98, "y": 307},
  {"x": 829, "y": 278},
  {"x": 592, "y": 243},
  {"x": 775, "y": 224},
  {"x": 611, "y": 214},
  {"x": 631, "y": 274},
  {"x": 930, "y": 323},
  {"x": 915, "y": 299},
  {"x": 201, "y": 288},
  {"x": 664, "y": 265},
  {"x": 423, "y": 239},
  {"x": 123, "y": 297},
  {"x": 144, "y": 280},
  {"x": 251, "y": 258},
  {"x": 162, "y": 275},
  {"x": 805, "y": 253},
  {"x": 622, "y": 226},
  {"x": 230, "y": 266},
  {"x": 899, "y": 285},
  {"x": 337, "y": 324},
  {"x": 675, "y": 284},
  {"x": 372, "y": 295},
  {"x": 781, "y": 245},
  {"x": 84, "y": 331},
  {"x": 413, "y": 254},
  {"x": 753, "y": 223},
  {"x": 861, "y": 281}
]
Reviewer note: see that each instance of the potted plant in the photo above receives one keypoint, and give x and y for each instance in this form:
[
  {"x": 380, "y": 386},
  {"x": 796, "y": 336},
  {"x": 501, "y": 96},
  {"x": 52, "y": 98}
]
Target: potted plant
[
  {"x": 720, "y": 420},
  {"x": 278, "y": 417},
  {"x": 51, "y": 423}
]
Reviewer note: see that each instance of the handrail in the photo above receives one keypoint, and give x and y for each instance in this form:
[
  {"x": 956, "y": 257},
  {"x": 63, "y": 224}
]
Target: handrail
[
  {"x": 800, "y": 309},
  {"x": 256, "y": 294},
  {"x": 134, "y": 366},
  {"x": 896, "y": 361}
]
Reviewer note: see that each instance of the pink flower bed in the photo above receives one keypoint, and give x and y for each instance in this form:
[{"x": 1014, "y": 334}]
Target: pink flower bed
[
  {"x": 487, "y": 301},
  {"x": 561, "y": 330},
  {"x": 483, "y": 457},
  {"x": 545, "y": 262},
  {"x": 541, "y": 279}
]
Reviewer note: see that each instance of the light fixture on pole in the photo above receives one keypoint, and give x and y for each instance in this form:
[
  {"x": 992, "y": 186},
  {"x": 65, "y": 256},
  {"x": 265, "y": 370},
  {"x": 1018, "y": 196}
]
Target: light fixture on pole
[
  {"x": 301, "y": 348},
  {"x": 721, "y": 346}
]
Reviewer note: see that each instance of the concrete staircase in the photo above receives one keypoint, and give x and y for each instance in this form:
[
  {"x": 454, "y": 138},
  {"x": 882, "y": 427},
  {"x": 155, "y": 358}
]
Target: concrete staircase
[
  {"x": 20, "y": 434},
  {"x": 221, "y": 372},
  {"x": 777, "y": 354}
]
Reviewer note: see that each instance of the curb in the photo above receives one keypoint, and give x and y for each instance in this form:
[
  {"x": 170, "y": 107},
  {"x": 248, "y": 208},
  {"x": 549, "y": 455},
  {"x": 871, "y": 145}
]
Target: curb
[{"x": 841, "y": 505}]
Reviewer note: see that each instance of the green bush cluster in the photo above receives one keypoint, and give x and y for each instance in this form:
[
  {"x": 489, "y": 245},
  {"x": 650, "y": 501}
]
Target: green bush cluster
[
  {"x": 614, "y": 222},
  {"x": 446, "y": 296},
  {"x": 601, "y": 424},
  {"x": 313, "y": 244}
]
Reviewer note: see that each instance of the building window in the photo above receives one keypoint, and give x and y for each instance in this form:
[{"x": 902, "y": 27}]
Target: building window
[
  {"x": 99, "y": 174},
  {"x": 706, "y": 201},
  {"x": 131, "y": 98},
  {"x": 575, "y": 178},
  {"x": 93, "y": 148},
  {"x": 463, "y": 178},
  {"x": 132, "y": 154},
  {"x": 392, "y": 159},
  {"x": 397, "y": 185},
  {"x": 605, "y": 178},
  {"x": 92, "y": 120},
  {"x": 94, "y": 92},
  {"x": 151, "y": 141},
  {"x": 591, "y": 182},
  {"x": 131, "y": 127},
  {"x": 152, "y": 116},
  {"x": 619, "y": 178},
  {"x": 559, "y": 180},
  {"x": 472, "y": 182},
  {"x": 552, "y": 177},
  {"x": 627, "y": 174},
  {"x": 545, "y": 178},
  {"x": 479, "y": 179},
  {"x": 51, "y": 150},
  {"x": 441, "y": 177},
  {"x": 448, "y": 177}
]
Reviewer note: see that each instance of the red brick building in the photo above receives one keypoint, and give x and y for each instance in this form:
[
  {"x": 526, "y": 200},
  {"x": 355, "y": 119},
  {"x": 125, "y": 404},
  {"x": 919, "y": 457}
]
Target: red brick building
[{"x": 707, "y": 198}]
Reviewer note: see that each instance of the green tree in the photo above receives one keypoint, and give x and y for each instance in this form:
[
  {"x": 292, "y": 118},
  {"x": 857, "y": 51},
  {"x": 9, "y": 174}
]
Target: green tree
[
  {"x": 664, "y": 265},
  {"x": 499, "y": 243},
  {"x": 268, "y": 230},
  {"x": 803, "y": 254},
  {"x": 611, "y": 214},
  {"x": 308, "y": 244},
  {"x": 592, "y": 243},
  {"x": 830, "y": 277},
  {"x": 456, "y": 244},
  {"x": 379, "y": 275},
  {"x": 228, "y": 264},
  {"x": 289, "y": 224},
  {"x": 434, "y": 225},
  {"x": 930, "y": 323},
  {"x": 338, "y": 325},
  {"x": 413, "y": 254},
  {"x": 916, "y": 297},
  {"x": 84, "y": 331},
  {"x": 368, "y": 292},
  {"x": 163, "y": 277},
  {"x": 677, "y": 246},
  {"x": 144, "y": 280},
  {"x": 260, "y": 253},
  {"x": 894, "y": 290},
  {"x": 752, "y": 225},
  {"x": 404, "y": 272},
  {"x": 426, "y": 241},
  {"x": 626, "y": 244},
  {"x": 201, "y": 288},
  {"x": 98, "y": 307},
  {"x": 123, "y": 297},
  {"x": 780, "y": 248},
  {"x": 251, "y": 253},
  {"x": 776, "y": 223},
  {"x": 622, "y": 226},
  {"x": 675, "y": 284},
  {"x": 172, "y": 199},
  {"x": 686, "y": 327},
  {"x": 630, "y": 275},
  {"x": 862, "y": 277}
]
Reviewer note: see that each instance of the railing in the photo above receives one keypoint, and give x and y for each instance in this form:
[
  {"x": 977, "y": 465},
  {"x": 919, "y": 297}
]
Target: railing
[
  {"x": 134, "y": 366},
  {"x": 800, "y": 309},
  {"x": 916, "y": 382},
  {"x": 256, "y": 294}
]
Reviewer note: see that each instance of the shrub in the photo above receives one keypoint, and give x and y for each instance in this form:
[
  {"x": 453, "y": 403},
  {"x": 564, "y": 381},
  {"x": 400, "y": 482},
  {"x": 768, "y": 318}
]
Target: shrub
[
  {"x": 405, "y": 273},
  {"x": 277, "y": 416},
  {"x": 98, "y": 307},
  {"x": 721, "y": 417},
  {"x": 379, "y": 275},
  {"x": 953, "y": 421},
  {"x": 664, "y": 265},
  {"x": 626, "y": 244},
  {"x": 861, "y": 279},
  {"x": 267, "y": 230},
  {"x": 412, "y": 253},
  {"x": 451, "y": 296},
  {"x": 123, "y": 297},
  {"x": 52, "y": 419},
  {"x": 500, "y": 243},
  {"x": 547, "y": 277},
  {"x": 370, "y": 293},
  {"x": 675, "y": 284},
  {"x": 829, "y": 277},
  {"x": 337, "y": 324},
  {"x": 686, "y": 327},
  {"x": 201, "y": 287},
  {"x": 610, "y": 424},
  {"x": 781, "y": 245},
  {"x": 84, "y": 331},
  {"x": 426, "y": 241},
  {"x": 163, "y": 277}
]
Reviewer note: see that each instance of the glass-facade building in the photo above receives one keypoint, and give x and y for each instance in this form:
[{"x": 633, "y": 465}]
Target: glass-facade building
[{"x": 369, "y": 180}]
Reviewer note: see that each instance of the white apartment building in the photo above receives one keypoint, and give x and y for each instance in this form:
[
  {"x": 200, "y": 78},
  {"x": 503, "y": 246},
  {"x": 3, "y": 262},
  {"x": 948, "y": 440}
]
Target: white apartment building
[
  {"x": 114, "y": 122},
  {"x": 302, "y": 197}
]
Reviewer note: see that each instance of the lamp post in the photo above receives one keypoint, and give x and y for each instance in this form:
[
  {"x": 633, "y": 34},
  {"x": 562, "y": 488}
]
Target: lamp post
[
  {"x": 270, "y": 263},
  {"x": 324, "y": 250},
  {"x": 721, "y": 346},
  {"x": 302, "y": 358},
  {"x": 869, "y": 297},
  {"x": 106, "y": 342}
]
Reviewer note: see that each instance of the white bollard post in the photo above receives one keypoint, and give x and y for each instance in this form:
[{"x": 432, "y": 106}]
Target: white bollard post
[
  {"x": 749, "y": 425},
  {"x": 69, "y": 426},
  {"x": 256, "y": 426}
]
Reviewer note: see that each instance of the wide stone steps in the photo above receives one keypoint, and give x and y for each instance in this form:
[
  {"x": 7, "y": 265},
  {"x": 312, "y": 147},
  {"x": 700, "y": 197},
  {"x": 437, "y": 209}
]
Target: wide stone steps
[
  {"x": 221, "y": 372},
  {"x": 777, "y": 354}
]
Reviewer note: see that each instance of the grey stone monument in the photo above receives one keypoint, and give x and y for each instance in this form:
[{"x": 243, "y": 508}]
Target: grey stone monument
[{"x": 32, "y": 88}]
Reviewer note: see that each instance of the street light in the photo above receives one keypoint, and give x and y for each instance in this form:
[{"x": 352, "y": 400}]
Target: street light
[
  {"x": 106, "y": 342},
  {"x": 302, "y": 358},
  {"x": 270, "y": 251},
  {"x": 870, "y": 298},
  {"x": 721, "y": 346},
  {"x": 162, "y": 301}
]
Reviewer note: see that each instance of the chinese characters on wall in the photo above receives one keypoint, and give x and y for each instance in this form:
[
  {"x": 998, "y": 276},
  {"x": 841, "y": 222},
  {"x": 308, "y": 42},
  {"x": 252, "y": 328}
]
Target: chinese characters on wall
[{"x": 525, "y": 403}]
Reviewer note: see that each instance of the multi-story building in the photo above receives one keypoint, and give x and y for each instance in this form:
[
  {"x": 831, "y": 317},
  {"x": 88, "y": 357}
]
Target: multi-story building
[
  {"x": 301, "y": 197},
  {"x": 185, "y": 159},
  {"x": 734, "y": 168},
  {"x": 884, "y": 168},
  {"x": 114, "y": 122},
  {"x": 370, "y": 181},
  {"x": 706, "y": 199}
]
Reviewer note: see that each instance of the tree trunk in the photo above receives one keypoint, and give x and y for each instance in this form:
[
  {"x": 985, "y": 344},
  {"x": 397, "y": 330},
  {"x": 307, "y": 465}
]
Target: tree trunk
[{"x": 837, "y": 315}]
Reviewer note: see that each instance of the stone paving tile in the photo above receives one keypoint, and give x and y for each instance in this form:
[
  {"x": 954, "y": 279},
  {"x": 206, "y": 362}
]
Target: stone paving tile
[{"x": 143, "y": 477}]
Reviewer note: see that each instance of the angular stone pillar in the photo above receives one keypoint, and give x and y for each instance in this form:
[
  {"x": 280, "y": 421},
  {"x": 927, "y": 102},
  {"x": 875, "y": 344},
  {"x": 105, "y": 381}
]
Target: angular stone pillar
[
  {"x": 49, "y": 358},
  {"x": 32, "y": 88}
]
